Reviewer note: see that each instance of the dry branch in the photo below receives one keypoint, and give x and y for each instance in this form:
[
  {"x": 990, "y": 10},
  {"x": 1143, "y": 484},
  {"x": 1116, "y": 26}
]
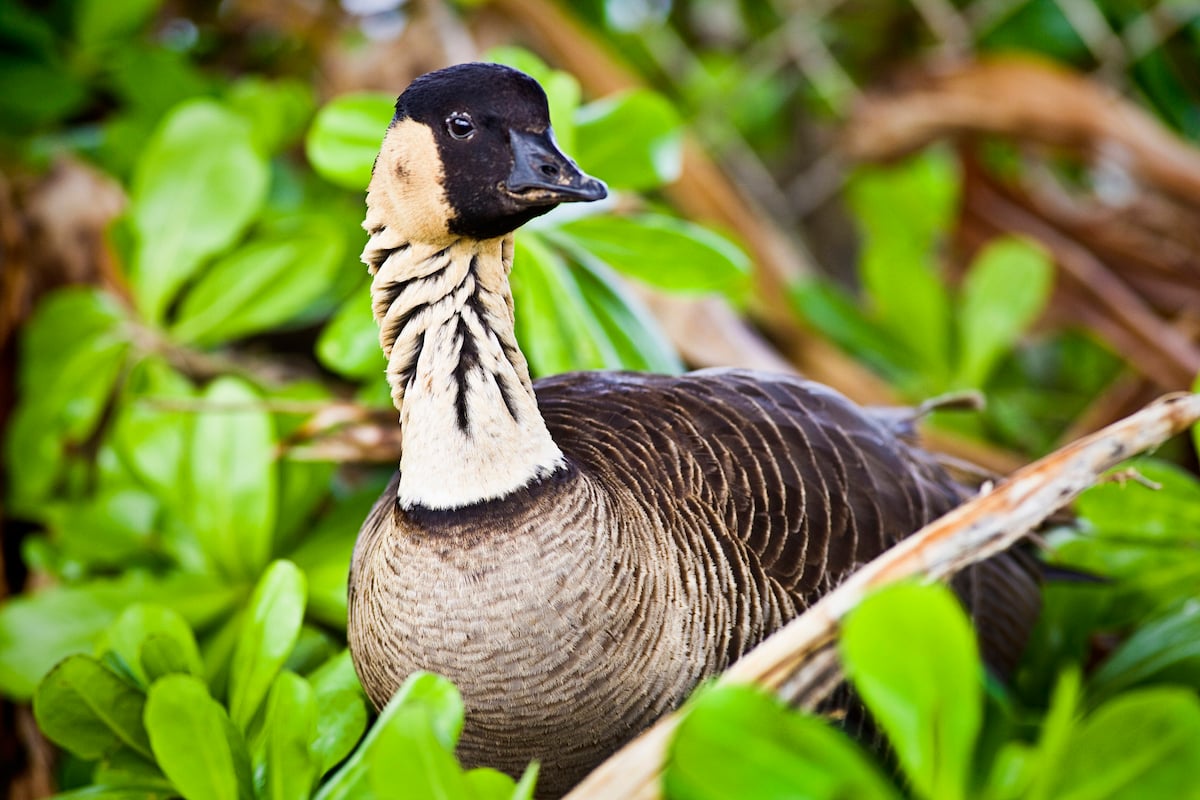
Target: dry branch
[
  {"x": 1026, "y": 98},
  {"x": 974, "y": 531}
]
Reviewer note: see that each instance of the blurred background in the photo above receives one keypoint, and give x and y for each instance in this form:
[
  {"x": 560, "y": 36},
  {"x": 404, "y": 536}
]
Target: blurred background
[{"x": 901, "y": 198}]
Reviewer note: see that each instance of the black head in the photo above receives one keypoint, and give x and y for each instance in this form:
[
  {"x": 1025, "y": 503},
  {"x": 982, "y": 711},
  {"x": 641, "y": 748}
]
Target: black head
[{"x": 500, "y": 166}]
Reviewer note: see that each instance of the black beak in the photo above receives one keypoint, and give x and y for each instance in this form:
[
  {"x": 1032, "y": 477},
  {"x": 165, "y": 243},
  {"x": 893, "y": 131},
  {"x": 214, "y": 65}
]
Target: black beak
[{"x": 542, "y": 175}]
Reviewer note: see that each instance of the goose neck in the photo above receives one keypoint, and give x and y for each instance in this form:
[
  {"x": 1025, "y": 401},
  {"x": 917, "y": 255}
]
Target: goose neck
[{"x": 470, "y": 426}]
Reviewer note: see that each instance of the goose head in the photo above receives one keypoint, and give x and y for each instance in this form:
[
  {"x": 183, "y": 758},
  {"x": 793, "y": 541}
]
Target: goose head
[{"x": 470, "y": 153}]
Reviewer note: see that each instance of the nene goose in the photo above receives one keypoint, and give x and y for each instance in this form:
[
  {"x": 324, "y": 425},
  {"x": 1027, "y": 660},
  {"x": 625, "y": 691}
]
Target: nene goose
[{"x": 577, "y": 554}]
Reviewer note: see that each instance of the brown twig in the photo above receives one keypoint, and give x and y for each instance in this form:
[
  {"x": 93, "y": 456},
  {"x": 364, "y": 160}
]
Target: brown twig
[{"x": 974, "y": 531}]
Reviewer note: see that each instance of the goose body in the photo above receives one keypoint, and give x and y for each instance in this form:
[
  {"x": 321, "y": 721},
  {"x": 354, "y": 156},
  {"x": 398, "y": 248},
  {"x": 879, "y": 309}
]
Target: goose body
[{"x": 577, "y": 554}]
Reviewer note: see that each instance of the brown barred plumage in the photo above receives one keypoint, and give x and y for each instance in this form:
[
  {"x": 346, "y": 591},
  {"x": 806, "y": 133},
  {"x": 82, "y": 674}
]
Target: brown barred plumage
[{"x": 576, "y": 565}]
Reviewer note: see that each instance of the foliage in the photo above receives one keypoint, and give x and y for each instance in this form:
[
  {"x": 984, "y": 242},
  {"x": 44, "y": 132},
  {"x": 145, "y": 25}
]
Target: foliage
[
  {"x": 191, "y": 642},
  {"x": 928, "y": 697},
  {"x": 928, "y": 339}
]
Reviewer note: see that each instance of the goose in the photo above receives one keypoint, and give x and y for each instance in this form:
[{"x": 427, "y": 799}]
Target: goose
[{"x": 579, "y": 552}]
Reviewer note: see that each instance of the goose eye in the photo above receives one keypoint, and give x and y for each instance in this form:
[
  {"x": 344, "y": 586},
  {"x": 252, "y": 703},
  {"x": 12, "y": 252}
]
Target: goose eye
[{"x": 460, "y": 126}]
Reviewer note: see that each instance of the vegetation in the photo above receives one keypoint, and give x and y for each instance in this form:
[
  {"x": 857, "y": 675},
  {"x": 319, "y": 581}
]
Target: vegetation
[{"x": 173, "y": 463}]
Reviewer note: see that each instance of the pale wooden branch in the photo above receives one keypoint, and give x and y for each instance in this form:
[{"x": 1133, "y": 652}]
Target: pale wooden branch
[{"x": 974, "y": 531}]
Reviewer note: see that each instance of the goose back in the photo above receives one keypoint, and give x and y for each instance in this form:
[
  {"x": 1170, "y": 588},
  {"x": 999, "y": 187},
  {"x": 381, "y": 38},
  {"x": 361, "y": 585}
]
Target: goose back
[{"x": 696, "y": 515}]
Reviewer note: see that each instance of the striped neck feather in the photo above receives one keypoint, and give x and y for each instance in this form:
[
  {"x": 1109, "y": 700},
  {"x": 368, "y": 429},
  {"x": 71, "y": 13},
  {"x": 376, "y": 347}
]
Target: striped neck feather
[{"x": 470, "y": 426}]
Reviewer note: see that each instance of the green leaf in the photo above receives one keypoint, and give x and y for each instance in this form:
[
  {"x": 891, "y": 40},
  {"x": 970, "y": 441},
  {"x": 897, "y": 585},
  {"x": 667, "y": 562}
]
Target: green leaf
[
  {"x": 72, "y": 351},
  {"x": 629, "y": 326},
  {"x": 151, "y": 438},
  {"x": 99, "y": 23},
  {"x": 1142, "y": 744},
  {"x": 276, "y": 110},
  {"x": 325, "y": 551},
  {"x": 38, "y": 630},
  {"x": 84, "y": 707},
  {"x": 172, "y": 647},
  {"x": 288, "y": 727},
  {"x": 194, "y": 742},
  {"x": 833, "y": 313},
  {"x": 736, "y": 741},
  {"x": 528, "y": 783},
  {"x": 349, "y": 344},
  {"x": 1166, "y": 649},
  {"x": 902, "y": 211},
  {"x": 199, "y": 182},
  {"x": 927, "y": 695},
  {"x": 36, "y": 93},
  {"x": 484, "y": 783},
  {"x": 440, "y": 711},
  {"x": 408, "y": 762},
  {"x": 102, "y": 792},
  {"x": 269, "y": 631},
  {"x": 109, "y": 529},
  {"x": 631, "y": 140},
  {"x": 665, "y": 252},
  {"x": 345, "y": 137},
  {"x": 263, "y": 284},
  {"x": 232, "y": 478},
  {"x": 557, "y": 330},
  {"x": 341, "y": 711},
  {"x": 1004, "y": 291}
]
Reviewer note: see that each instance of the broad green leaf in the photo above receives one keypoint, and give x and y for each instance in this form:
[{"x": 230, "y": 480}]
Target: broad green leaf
[
  {"x": 199, "y": 182},
  {"x": 736, "y": 741},
  {"x": 341, "y": 711},
  {"x": 276, "y": 110},
  {"x": 194, "y": 742},
  {"x": 912, "y": 202},
  {"x": 927, "y": 695},
  {"x": 151, "y": 438},
  {"x": 632, "y": 140},
  {"x": 902, "y": 211},
  {"x": 1057, "y": 729},
  {"x": 99, "y": 23},
  {"x": 232, "y": 478},
  {"x": 141, "y": 623},
  {"x": 1166, "y": 649},
  {"x": 87, "y": 709},
  {"x": 127, "y": 767},
  {"x": 345, "y": 137},
  {"x": 832, "y": 312},
  {"x": 109, "y": 529},
  {"x": 38, "y": 630},
  {"x": 35, "y": 93},
  {"x": 325, "y": 551},
  {"x": 102, "y": 792},
  {"x": 440, "y": 711},
  {"x": 349, "y": 344},
  {"x": 1004, "y": 291},
  {"x": 1130, "y": 510},
  {"x": 556, "y": 329},
  {"x": 562, "y": 90},
  {"x": 288, "y": 727},
  {"x": 408, "y": 762},
  {"x": 1140, "y": 745},
  {"x": 263, "y": 284},
  {"x": 484, "y": 783},
  {"x": 630, "y": 327},
  {"x": 72, "y": 351},
  {"x": 662, "y": 251},
  {"x": 274, "y": 615}
]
